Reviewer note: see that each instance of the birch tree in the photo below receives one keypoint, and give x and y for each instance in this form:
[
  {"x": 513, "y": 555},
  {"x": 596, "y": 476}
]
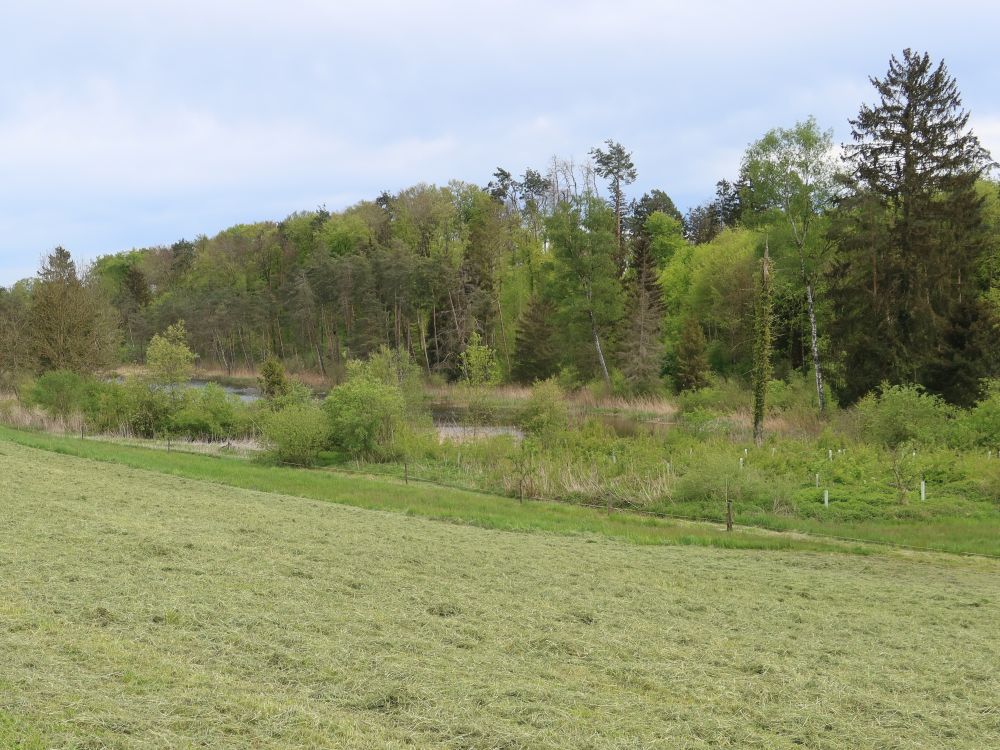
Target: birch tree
[{"x": 791, "y": 172}]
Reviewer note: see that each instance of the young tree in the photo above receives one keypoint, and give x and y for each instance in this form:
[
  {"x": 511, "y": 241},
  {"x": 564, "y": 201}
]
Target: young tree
[
  {"x": 170, "y": 361},
  {"x": 615, "y": 165},
  {"x": 479, "y": 363},
  {"x": 790, "y": 171},
  {"x": 910, "y": 235},
  {"x": 273, "y": 381},
  {"x": 762, "y": 347}
]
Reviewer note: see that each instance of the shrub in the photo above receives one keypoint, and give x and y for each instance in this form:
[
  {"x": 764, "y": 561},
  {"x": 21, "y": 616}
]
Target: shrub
[
  {"x": 297, "y": 433},
  {"x": 980, "y": 425},
  {"x": 393, "y": 367},
  {"x": 363, "y": 415},
  {"x": 479, "y": 363},
  {"x": 545, "y": 410},
  {"x": 797, "y": 392},
  {"x": 273, "y": 381},
  {"x": 722, "y": 395},
  {"x": 900, "y": 414},
  {"x": 60, "y": 393},
  {"x": 296, "y": 394},
  {"x": 210, "y": 413},
  {"x": 131, "y": 407}
]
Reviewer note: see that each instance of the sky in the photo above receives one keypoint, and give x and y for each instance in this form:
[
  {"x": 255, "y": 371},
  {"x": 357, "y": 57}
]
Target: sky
[{"x": 126, "y": 124}]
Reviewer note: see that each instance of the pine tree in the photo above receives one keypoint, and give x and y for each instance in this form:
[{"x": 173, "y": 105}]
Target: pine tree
[
  {"x": 692, "y": 358},
  {"x": 616, "y": 166},
  {"x": 536, "y": 348},
  {"x": 910, "y": 236}
]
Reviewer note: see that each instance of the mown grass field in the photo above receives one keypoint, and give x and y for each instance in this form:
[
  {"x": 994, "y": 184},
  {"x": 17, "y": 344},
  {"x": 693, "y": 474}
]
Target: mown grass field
[{"x": 139, "y": 609}]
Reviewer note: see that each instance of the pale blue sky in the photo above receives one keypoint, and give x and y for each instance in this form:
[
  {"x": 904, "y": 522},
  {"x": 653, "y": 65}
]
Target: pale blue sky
[{"x": 125, "y": 125}]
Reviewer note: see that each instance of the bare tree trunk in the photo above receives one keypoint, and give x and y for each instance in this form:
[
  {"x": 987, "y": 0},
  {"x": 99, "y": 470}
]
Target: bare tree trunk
[
  {"x": 820, "y": 393},
  {"x": 811, "y": 307},
  {"x": 600, "y": 352},
  {"x": 503, "y": 334}
]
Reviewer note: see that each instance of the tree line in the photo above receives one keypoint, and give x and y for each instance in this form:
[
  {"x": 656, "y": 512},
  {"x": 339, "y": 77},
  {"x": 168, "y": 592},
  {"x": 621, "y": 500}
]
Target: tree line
[{"x": 883, "y": 263}]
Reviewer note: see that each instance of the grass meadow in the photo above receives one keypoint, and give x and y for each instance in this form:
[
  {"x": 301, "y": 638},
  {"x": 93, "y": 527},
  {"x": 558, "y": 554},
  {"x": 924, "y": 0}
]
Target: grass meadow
[{"x": 139, "y": 609}]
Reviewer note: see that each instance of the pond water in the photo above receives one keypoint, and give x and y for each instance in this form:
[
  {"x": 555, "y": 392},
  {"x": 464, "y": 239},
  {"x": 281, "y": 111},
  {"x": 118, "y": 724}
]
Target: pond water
[
  {"x": 247, "y": 394},
  {"x": 452, "y": 421}
]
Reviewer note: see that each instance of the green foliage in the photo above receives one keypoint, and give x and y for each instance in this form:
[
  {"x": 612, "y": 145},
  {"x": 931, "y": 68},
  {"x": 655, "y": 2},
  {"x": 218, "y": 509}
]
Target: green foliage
[
  {"x": 296, "y": 394},
  {"x": 545, "y": 411},
  {"x": 980, "y": 425},
  {"x": 71, "y": 326},
  {"x": 273, "y": 381},
  {"x": 297, "y": 433},
  {"x": 586, "y": 284},
  {"x": 209, "y": 413},
  {"x": 131, "y": 408},
  {"x": 364, "y": 414},
  {"x": 170, "y": 360},
  {"x": 900, "y": 414},
  {"x": 479, "y": 363},
  {"x": 396, "y": 368},
  {"x": 714, "y": 284},
  {"x": 61, "y": 393}
]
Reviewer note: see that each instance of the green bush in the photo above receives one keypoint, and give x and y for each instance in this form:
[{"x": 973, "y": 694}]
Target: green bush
[
  {"x": 393, "y": 367},
  {"x": 798, "y": 392},
  {"x": 210, "y": 413},
  {"x": 722, "y": 395},
  {"x": 296, "y": 393},
  {"x": 132, "y": 407},
  {"x": 900, "y": 414},
  {"x": 980, "y": 425},
  {"x": 297, "y": 433},
  {"x": 60, "y": 393},
  {"x": 545, "y": 410},
  {"x": 363, "y": 415},
  {"x": 273, "y": 381}
]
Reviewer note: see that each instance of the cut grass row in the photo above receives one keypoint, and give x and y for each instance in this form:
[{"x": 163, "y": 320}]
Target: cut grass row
[{"x": 428, "y": 501}]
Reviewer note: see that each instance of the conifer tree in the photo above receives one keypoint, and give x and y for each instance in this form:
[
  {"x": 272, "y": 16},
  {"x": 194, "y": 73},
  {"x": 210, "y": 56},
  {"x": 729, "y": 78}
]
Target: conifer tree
[
  {"x": 910, "y": 234},
  {"x": 536, "y": 349},
  {"x": 692, "y": 359}
]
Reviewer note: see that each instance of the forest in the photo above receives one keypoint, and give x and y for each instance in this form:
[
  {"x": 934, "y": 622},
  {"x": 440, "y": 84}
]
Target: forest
[{"x": 884, "y": 259}]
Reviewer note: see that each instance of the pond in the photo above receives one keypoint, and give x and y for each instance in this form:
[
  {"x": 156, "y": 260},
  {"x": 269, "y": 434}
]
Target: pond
[{"x": 452, "y": 421}]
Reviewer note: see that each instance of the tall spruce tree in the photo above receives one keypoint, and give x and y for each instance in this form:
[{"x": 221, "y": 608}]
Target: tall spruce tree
[
  {"x": 536, "y": 345},
  {"x": 910, "y": 234},
  {"x": 692, "y": 368}
]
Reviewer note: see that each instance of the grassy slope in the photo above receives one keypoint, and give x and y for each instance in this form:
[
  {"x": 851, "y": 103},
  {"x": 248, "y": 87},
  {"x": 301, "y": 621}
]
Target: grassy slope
[
  {"x": 143, "y": 610},
  {"x": 462, "y": 506}
]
